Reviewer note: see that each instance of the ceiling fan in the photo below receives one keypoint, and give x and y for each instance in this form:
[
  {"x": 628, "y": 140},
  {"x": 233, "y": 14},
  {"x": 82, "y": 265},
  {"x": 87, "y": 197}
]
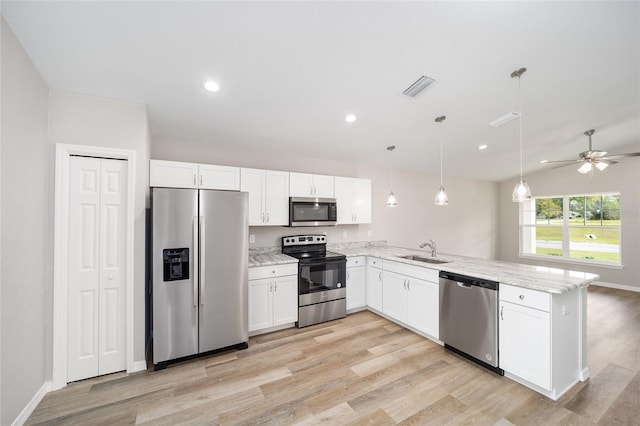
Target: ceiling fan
[{"x": 592, "y": 158}]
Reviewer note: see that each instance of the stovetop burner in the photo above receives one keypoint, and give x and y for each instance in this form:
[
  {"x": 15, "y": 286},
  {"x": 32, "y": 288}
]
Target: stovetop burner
[{"x": 309, "y": 248}]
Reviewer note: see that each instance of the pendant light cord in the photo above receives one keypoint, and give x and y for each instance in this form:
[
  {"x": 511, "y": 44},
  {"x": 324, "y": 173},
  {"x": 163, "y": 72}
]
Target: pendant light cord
[
  {"x": 441, "y": 153},
  {"x": 520, "y": 121}
]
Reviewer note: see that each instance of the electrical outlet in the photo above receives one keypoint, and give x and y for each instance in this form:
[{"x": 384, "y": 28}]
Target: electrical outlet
[
  {"x": 252, "y": 238},
  {"x": 369, "y": 233},
  {"x": 565, "y": 310},
  {"x": 344, "y": 234}
]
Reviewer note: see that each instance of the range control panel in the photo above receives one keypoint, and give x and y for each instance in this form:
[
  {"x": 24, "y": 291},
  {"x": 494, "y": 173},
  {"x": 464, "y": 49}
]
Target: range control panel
[{"x": 303, "y": 240}]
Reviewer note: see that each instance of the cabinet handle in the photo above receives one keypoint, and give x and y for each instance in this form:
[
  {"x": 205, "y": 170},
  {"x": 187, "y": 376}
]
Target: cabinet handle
[
  {"x": 404, "y": 284},
  {"x": 267, "y": 217},
  {"x": 262, "y": 217},
  {"x": 347, "y": 275},
  {"x": 502, "y": 312},
  {"x": 194, "y": 179},
  {"x": 522, "y": 297},
  {"x": 379, "y": 276},
  {"x": 275, "y": 286},
  {"x": 200, "y": 180},
  {"x": 409, "y": 285}
]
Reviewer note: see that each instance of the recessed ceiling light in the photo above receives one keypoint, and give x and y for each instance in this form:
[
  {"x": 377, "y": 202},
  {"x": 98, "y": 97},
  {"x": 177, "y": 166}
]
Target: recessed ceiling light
[
  {"x": 212, "y": 86},
  {"x": 481, "y": 147},
  {"x": 350, "y": 118}
]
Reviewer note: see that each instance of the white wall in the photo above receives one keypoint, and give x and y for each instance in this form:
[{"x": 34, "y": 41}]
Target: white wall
[
  {"x": 623, "y": 177},
  {"x": 467, "y": 226},
  {"x": 89, "y": 120},
  {"x": 26, "y": 235}
]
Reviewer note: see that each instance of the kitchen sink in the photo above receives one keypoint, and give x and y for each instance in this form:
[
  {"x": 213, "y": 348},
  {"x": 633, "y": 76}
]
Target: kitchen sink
[{"x": 423, "y": 259}]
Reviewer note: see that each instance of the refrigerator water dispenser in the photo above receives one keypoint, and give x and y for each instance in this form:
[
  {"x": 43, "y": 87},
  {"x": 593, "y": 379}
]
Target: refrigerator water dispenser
[{"x": 175, "y": 264}]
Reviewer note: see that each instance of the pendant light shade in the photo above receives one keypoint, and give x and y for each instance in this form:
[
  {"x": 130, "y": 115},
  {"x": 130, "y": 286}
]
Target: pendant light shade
[
  {"x": 521, "y": 192},
  {"x": 441, "y": 195},
  {"x": 391, "y": 200}
]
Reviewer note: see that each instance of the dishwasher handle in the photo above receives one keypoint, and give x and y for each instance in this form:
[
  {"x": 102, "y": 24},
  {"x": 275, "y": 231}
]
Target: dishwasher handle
[{"x": 463, "y": 285}]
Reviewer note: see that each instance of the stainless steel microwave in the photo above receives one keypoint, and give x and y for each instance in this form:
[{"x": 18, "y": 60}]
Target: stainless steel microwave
[{"x": 304, "y": 211}]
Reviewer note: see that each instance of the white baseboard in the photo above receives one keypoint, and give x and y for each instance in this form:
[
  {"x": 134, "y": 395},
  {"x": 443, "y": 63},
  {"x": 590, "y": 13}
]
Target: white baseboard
[
  {"x": 616, "y": 286},
  {"x": 31, "y": 406},
  {"x": 138, "y": 366}
]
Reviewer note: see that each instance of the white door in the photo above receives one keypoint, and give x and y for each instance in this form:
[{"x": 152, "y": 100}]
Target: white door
[
  {"x": 277, "y": 197},
  {"x": 260, "y": 304},
  {"x": 423, "y": 306},
  {"x": 356, "y": 291},
  {"x": 252, "y": 181},
  {"x": 344, "y": 199},
  {"x": 97, "y": 267},
  {"x": 394, "y": 295}
]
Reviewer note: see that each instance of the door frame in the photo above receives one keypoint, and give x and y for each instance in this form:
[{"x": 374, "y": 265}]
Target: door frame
[{"x": 61, "y": 252}]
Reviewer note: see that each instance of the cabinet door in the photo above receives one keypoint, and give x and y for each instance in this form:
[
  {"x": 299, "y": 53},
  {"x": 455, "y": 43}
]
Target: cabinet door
[
  {"x": 219, "y": 177},
  {"x": 300, "y": 185},
  {"x": 323, "y": 186},
  {"x": 423, "y": 306},
  {"x": 361, "y": 200},
  {"x": 260, "y": 304},
  {"x": 344, "y": 200},
  {"x": 172, "y": 174},
  {"x": 356, "y": 289},
  {"x": 252, "y": 181},
  {"x": 525, "y": 343},
  {"x": 394, "y": 295},
  {"x": 285, "y": 300},
  {"x": 374, "y": 288},
  {"x": 276, "y": 198}
]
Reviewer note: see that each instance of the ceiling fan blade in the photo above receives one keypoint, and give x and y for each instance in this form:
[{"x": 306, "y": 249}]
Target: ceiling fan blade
[
  {"x": 605, "y": 161},
  {"x": 562, "y": 161},
  {"x": 563, "y": 165},
  {"x": 631, "y": 154},
  {"x": 597, "y": 154}
]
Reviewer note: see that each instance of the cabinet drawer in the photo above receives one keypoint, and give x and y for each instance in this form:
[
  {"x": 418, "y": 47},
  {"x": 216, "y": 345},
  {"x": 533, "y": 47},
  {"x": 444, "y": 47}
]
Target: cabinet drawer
[
  {"x": 354, "y": 261},
  {"x": 525, "y": 297},
  {"x": 374, "y": 262},
  {"x": 426, "y": 274},
  {"x": 273, "y": 271}
]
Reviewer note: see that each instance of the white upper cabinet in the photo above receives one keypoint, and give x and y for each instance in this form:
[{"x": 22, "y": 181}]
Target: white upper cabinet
[
  {"x": 219, "y": 177},
  {"x": 174, "y": 174},
  {"x": 353, "y": 197},
  {"x": 268, "y": 196},
  {"x": 306, "y": 185}
]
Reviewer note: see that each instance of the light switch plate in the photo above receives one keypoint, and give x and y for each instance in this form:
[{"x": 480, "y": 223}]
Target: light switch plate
[{"x": 252, "y": 238}]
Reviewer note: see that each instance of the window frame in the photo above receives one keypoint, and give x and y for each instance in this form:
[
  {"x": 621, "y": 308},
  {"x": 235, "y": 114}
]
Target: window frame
[{"x": 566, "y": 226}]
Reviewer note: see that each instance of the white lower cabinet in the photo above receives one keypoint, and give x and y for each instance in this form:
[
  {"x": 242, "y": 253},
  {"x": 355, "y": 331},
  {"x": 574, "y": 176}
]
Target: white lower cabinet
[
  {"x": 273, "y": 296},
  {"x": 525, "y": 343},
  {"x": 540, "y": 342},
  {"x": 411, "y": 296},
  {"x": 374, "y": 283},
  {"x": 356, "y": 282}
]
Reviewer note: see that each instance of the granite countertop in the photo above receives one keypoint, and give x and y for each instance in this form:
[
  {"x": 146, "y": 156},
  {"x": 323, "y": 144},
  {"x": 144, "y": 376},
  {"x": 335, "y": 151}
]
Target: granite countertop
[
  {"x": 269, "y": 256},
  {"x": 550, "y": 280}
]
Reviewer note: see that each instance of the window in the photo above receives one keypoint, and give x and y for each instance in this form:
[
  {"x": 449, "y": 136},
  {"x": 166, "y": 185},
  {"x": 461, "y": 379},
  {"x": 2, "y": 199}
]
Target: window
[{"x": 583, "y": 228}]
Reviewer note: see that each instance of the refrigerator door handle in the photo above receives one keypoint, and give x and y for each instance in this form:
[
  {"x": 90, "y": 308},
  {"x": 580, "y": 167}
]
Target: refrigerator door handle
[
  {"x": 196, "y": 258},
  {"x": 202, "y": 256}
]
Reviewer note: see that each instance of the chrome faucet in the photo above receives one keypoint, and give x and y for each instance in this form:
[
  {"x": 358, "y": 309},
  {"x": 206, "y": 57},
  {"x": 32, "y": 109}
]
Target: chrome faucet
[{"x": 432, "y": 245}]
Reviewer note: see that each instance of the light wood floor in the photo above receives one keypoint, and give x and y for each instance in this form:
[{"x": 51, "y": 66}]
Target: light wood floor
[{"x": 363, "y": 370}]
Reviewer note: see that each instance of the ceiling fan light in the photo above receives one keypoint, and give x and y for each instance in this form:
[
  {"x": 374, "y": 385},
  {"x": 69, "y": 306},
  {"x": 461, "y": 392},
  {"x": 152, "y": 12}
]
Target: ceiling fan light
[
  {"x": 601, "y": 166},
  {"x": 391, "y": 201},
  {"x": 585, "y": 168},
  {"x": 521, "y": 192},
  {"x": 441, "y": 197}
]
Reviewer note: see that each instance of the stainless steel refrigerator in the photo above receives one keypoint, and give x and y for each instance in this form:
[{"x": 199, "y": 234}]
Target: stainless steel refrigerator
[{"x": 200, "y": 259}]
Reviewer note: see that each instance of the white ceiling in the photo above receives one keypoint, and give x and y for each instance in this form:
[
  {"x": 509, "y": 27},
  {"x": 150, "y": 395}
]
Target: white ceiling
[{"x": 291, "y": 71}]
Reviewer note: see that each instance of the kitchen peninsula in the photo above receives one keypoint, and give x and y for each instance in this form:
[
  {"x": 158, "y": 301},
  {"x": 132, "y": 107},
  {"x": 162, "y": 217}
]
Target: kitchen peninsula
[{"x": 542, "y": 311}]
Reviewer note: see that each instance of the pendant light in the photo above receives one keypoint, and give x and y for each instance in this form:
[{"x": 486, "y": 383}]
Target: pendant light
[
  {"x": 521, "y": 192},
  {"x": 391, "y": 201},
  {"x": 441, "y": 195}
]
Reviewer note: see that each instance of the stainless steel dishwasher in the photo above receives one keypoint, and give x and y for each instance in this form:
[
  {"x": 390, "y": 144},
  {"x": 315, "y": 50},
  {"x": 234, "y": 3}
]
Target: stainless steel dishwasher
[{"x": 469, "y": 318}]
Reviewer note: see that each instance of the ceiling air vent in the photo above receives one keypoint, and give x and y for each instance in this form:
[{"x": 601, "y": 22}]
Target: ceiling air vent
[
  {"x": 418, "y": 86},
  {"x": 504, "y": 119}
]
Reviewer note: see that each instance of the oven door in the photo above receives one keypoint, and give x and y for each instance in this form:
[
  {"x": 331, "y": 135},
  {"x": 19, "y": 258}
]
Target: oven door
[{"x": 321, "y": 281}]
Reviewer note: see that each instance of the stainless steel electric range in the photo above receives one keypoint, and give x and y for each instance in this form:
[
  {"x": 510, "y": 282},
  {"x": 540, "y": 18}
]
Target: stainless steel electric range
[{"x": 322, "y": 286}]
